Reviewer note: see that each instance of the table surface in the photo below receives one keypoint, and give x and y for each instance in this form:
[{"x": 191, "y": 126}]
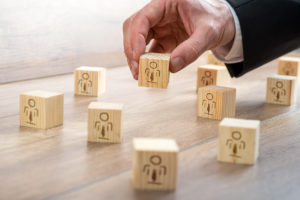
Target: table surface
[{"x": 59, "y": 163}]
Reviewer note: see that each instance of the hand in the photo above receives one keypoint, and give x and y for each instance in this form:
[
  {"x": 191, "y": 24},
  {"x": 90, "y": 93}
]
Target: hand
[{"x": 184, "y": 28}]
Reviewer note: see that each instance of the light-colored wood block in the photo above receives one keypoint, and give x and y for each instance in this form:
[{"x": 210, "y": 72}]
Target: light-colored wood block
[
  {"x": 155, "y": 164},
  {"x": 281, "y": 89},
  {"x": 154, "y": 70},
  {"x": 216, "y": 102},
  {"x": 89, "y": 81},
  {"x": 212, "y": 75},
  {"x": 105, "y": 122},
  {"x": 238, "y": 141},
  {"x": 289, "y": 66},
  {"x": 41, "y": 109},
  {"x": 211, "y": 59}
]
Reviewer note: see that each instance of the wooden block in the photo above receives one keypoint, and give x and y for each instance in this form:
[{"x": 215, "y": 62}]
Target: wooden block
[
  {"x": 212, "y": 75},
  {"x": 154, "y": 70},
  {"x": 211, "y": 59},
  {"x": 89, "y": 81},
  {"x": 41, "y": 109},
  {"x": 155, "y": 164},
  {"x": 289, "y": 66},
  {"x": 216, "y": 102},
  {"x": 105, "y": 122},
  {"x": 281, "y": 90},
  {"x": 238, "y": 141}
]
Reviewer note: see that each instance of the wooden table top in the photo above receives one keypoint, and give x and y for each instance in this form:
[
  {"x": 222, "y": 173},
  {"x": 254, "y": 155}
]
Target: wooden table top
[{"x": 60, "y": 164}]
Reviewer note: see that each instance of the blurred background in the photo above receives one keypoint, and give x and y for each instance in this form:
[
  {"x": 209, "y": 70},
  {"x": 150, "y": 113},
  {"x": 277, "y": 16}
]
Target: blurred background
[{"x": 41, "y": 38}]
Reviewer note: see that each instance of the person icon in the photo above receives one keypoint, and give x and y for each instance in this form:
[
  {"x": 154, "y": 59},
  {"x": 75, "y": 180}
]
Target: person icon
[
  {"x": 278, "y": 91},
  {"x": 152, "y": 73},
  {"x": 235, "y": 144},
  {"x": 84, "y": 83},
  {"x": 155, "y": 171},
  {"x": 288, "y": 69},
  {"x": 31, "y": 112},
  {"x": 208, "y": 104},
  {"x": 103, "y": 126},
  {"x": 207, "y": 78}
]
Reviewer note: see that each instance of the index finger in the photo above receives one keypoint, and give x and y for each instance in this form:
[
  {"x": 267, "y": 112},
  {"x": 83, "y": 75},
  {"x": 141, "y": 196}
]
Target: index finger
[{"x": 144, "y": 20}]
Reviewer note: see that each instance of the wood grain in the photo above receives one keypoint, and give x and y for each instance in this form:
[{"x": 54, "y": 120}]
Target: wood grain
[
  {"x": 216, "y": 102},
  {"x": 154, "y": 70},
  {"x": 41, "y": 109},
  {"x": 281, "y": 89},
  {"x": 289, "y": 66},
  {"x": 154, "y": 164},
  {"x": 238, "y": 141},
  {"x": 89, "y": 81},
  {"x": 105, "y": 122},
  {"x": 46, "y": 38},
  {"x": 212, "y": 75},
  {"x": 59, "y": 163},
  {"x": 274, "y": 176}
]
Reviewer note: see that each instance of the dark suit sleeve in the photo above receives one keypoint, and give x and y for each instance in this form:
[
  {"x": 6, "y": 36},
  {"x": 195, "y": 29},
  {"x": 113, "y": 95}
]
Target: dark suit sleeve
[{"x": 270, "y": 28}]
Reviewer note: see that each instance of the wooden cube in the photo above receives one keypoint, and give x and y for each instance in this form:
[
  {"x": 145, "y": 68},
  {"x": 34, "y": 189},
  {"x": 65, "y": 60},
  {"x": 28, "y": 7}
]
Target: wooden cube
[
  {"x": 105, "y": 122},
  {"x": 212, "y": 75},
  {"x": 154, "y": 70},
  {"x": 238, "y": 141},
  {"x": 155, "y": 164},
  {"x": 41, "y": 109},
  {"x": 216, "y": 102},
  {"x": 211, "y": 59},
  {"x": 289, "y": 66},
  {"x": 89, "y": 81},
  {"x": 281, "y": 90}
]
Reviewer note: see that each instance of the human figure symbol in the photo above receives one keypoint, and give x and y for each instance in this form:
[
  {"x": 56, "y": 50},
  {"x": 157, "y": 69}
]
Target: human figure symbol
[
  {"x": 103, "y": 126},
  {"x": 155, "y": 171},
  {"x": 207, "y": 78},
  {"x": 235, "y": 144},
  {"x": 31, "y": 112},
  {"x": 152, "y": 73},
  {"x": 208, "y": 104},
  {"x": 278, "y": 91},
  {"x": 85, "y": 83}
]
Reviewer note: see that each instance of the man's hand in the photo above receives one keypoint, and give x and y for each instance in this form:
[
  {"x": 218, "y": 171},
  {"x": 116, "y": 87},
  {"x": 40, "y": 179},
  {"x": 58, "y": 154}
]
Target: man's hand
[{"x": 184, "y": 28}]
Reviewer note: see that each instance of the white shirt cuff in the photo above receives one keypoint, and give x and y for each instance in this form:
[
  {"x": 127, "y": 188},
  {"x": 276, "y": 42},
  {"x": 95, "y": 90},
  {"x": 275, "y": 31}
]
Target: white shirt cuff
[{"x": 234, "y": 53}]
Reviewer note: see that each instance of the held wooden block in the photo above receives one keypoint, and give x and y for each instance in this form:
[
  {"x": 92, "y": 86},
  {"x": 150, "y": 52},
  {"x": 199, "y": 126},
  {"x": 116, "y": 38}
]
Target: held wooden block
[
  {"x": 281, "y": 90},
  {"x": 154, "y": 70},
  {"x": 289, "y": 66},
  {"x": 41, "y": 109},
  {"x": 211, "y": 59},
  {"x": 216, "y": 102},
  {"x": 212, "y": 75},
  {"x": 89, "y": 81},
  {"x": 238, "y": 141},
  {"x": 155, "y": 164},
  {"x": 105, "y": 122}
]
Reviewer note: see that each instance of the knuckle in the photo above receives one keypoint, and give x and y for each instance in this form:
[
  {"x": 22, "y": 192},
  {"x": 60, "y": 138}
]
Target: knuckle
[{"x": 213, "y": 29}]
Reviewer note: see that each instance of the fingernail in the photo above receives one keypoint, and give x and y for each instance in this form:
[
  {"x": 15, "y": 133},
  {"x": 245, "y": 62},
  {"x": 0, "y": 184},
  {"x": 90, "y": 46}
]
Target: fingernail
[{"x": 177, "y": 63}]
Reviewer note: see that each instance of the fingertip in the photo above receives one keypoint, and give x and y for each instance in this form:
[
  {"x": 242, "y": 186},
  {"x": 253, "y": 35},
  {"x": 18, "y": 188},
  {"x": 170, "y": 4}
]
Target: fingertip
[
  {"x": 177, "y": 64},
  {"x": 134, "y": 69}
]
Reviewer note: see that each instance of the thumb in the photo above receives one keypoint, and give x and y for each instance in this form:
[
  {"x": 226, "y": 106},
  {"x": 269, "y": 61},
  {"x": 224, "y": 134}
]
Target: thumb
[{"x": 187, "y": 52}]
